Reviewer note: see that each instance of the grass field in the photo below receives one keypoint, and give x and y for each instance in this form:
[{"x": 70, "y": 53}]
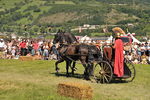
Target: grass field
[{"x": 36, "y": 80}]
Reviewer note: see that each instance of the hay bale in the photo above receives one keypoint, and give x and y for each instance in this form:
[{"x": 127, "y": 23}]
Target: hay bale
[
  {"x": 30, "y": 58},
  {"x": 26, "y": 58},
  {"x": 37, "y": 57},
  {"x": 1, "y": 55},
  {"x": 75, "y": 90}
]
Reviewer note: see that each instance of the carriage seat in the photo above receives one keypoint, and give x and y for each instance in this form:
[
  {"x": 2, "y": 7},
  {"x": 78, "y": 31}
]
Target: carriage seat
[{"x": 108, "y": 53}]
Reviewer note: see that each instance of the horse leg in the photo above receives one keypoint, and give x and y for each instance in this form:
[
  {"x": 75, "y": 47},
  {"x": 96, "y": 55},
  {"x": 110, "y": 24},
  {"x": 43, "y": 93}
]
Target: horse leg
[
  {"x": 68, "y": 63},
  {"x": 90, "y": 69},
  {"x": 91, "y": 72},
  {"x": 73, "y": 68},
  {"x": 56, "y": 64},
  {"x": 83, "y": 61}
]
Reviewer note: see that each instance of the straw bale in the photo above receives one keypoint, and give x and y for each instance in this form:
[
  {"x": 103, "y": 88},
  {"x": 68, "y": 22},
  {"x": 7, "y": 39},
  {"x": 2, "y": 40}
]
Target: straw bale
[
  {"x": 26, "y": 58},
  {"x": 75, "y": 90},
  {"x": 37, "y": 57},
  {"x": 30, "y": 58}
]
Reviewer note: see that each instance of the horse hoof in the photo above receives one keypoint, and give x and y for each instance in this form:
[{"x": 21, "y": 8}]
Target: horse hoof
[
  {"x": 72, "y": 73},
  {"x": 74, "y": 69},
  {"x": 67, "y": 75},
  {"x": 93, "y": 81},
  {"x": 86, "y": 78},
  {"x": 57, "y": 71}
]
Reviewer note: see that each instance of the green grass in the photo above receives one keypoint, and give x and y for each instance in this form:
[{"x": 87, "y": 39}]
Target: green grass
[
  {"x": 100, "y": 34},
  {"x": 8, "y": 3},
  {"x": 35, "y": 80},
  {"x": 64, "y": 2}
]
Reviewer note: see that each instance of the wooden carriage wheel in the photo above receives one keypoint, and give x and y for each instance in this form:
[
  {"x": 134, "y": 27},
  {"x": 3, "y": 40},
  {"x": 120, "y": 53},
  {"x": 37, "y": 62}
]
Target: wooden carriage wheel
[
  {"x": 131, "y": 71},
  {"x": 103, "y": 72}
]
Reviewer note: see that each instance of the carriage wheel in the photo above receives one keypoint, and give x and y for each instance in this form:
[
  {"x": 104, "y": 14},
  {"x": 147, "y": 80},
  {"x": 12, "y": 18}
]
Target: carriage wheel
[
  {"x": 132, "y": 71},
  {"x": 103, "y": 72}
]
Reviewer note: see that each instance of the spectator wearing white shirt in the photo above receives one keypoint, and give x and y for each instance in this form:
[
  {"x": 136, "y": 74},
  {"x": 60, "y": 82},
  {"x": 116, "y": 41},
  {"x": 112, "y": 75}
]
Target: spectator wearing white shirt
[
  {"x": 148, "y": 49},
  {"x": 142, "y": 49},
  {"x": 135, "y": 48},
  {"x": 139, "y": 50},
  {"x": 2, "y": 44},
  {"x": 149, "y": 59}
]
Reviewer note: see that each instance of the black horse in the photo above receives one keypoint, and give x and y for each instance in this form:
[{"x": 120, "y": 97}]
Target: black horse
[
  {"x": 70, "y": 51},
  {"x": 65, "y": 40}
]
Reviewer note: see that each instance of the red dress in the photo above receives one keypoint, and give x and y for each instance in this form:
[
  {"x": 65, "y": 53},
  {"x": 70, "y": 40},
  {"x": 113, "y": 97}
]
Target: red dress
[{"x": 119, "y": 58}]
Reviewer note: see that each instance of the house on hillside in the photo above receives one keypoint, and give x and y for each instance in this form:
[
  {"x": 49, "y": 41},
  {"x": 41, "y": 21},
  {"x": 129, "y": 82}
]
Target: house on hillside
[
  {"x": 13, "y": 36},
  {"x": 3, "y": 35},
  {"x": 85, "y": 27}
]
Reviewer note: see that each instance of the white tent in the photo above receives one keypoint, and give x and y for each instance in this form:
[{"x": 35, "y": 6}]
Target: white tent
[
  {"x": 109, "y": 40},
  {"x": 148, "y": 41},
  {"x": 134, "y": 39},
  {"x": 85, "y": 39}
]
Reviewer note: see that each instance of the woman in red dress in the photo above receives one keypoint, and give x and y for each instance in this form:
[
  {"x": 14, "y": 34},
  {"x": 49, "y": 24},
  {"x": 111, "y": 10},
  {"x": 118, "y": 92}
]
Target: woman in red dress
[{"x": 119, "y": 58}]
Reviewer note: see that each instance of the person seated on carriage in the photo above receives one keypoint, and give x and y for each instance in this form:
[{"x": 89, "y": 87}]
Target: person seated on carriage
[{"x": 119, "y": 57}]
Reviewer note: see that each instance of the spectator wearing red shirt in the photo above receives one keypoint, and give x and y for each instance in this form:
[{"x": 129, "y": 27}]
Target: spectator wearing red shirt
[
  {"x": 22, "y": 47},
  {"x": 35, "y": 48}
]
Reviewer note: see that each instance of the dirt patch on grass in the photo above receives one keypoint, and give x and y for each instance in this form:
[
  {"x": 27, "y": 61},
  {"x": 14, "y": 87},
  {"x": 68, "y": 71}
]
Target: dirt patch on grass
[{"x": 7, "y": 85}]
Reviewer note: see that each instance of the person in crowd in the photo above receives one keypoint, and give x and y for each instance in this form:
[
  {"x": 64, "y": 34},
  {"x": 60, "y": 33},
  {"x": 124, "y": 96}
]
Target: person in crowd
[
  {"x": 41, "y": 50},
  {"x": 127, "y": 49},
  {"x": 144, "y": 59},
  {"x": 149, "y": 59},
  {"x": 46, "y": 51},
  {"x": 139, "y": 50},
  {"x": 23, "y": 47},
  {"x": 135, "y": 59},
  {"x": 2, "y": 44},
  {"x": 143, "y": 49},
  {"x": 148, "y": 48},
  {"x": 13, "y": 52},
  {"x": 2, "y": 48},
  {"x": 134, "y": 48},
  {"x": 30, "y": 47},
  {"x": 130, "y": 56},
  {"x": 35, "y": 48}
]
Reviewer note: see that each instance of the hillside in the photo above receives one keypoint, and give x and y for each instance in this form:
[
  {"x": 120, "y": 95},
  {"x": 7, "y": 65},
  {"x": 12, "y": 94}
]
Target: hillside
[{"x": 36, "y": 16}]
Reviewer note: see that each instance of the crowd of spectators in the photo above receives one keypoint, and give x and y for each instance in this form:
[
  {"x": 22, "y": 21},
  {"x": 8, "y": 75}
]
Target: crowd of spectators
[
  {"x": 138, "y": 53},
  {"x": 12, "y": 49}
]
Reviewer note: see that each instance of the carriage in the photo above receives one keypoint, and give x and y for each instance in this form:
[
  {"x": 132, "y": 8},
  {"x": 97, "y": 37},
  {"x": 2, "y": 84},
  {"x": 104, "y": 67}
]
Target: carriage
[
  {"x": 103, "y": 71},
  {"x": 103, "y": 68}
]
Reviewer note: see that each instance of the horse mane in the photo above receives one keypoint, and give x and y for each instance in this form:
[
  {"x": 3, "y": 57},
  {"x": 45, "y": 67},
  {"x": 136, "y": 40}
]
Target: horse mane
[
  {"x": 70, "y": 38},
  {"x": 65, "y": 37}
]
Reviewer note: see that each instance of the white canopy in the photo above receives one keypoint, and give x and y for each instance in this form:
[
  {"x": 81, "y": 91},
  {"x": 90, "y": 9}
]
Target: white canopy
[
  {"x": 134, "y": 39},
  {"x": 85, "y": 39},
  {"x": 109, "y": 40}
]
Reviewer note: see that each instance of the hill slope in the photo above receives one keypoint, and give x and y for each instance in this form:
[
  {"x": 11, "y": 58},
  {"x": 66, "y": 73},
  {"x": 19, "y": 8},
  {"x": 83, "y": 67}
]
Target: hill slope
[{"x": 15, "y": 14}]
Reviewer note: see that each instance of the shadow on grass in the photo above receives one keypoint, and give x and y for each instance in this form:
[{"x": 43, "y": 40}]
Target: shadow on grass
[
  {"x": 118, "y": 81},
  {"x": 63, "y": 74},
  {"x": 80, "y": 76}
]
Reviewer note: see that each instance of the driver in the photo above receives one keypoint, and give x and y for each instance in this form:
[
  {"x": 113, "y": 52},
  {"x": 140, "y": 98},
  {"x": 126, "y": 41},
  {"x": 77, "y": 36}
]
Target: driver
[{"x": 119, "y": 57}]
